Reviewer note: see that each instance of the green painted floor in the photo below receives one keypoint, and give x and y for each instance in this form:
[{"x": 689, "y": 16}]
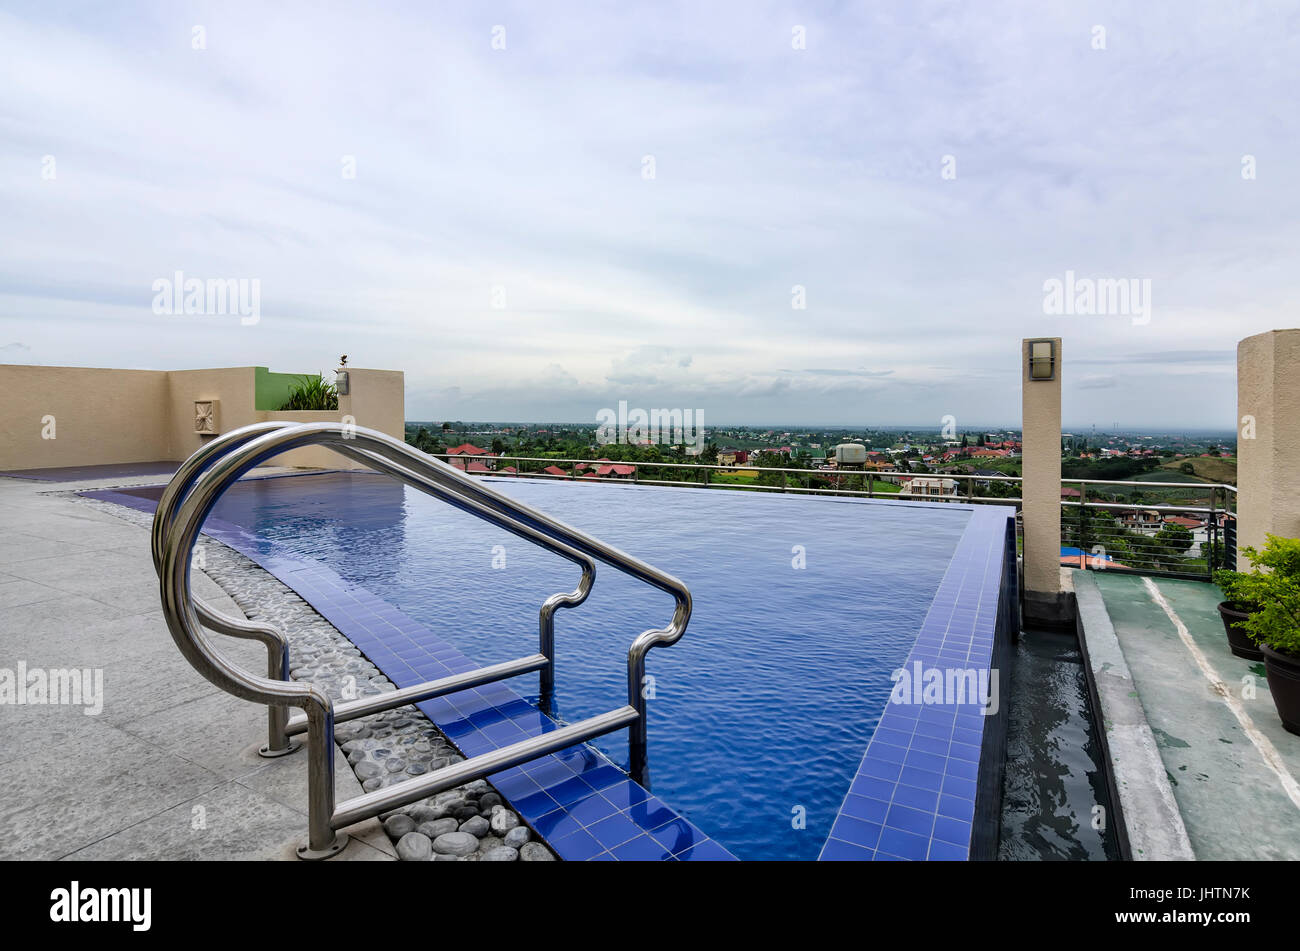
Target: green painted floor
[{"x": 1234, "y": 805}]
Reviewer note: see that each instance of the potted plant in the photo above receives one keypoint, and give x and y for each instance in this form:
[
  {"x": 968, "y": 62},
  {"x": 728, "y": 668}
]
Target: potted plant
[
  {"x": 1235, "y": 610},
  {"x": 1272, "y": 586}
]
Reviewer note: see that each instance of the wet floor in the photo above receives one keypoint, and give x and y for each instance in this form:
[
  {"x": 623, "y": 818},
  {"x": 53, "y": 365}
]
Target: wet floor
[{"x": 1054, "y": 799}]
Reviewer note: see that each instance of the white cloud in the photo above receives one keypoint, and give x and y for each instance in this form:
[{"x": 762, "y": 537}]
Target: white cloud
[{"x": 519, "y": 171}]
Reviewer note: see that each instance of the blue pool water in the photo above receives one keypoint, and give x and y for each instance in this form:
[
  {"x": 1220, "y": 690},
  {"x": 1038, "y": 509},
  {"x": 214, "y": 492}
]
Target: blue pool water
[{"x": 763, "y": 709}]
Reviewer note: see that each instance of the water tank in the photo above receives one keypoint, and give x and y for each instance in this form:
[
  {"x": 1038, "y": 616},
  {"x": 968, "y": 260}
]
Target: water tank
[{"x": 850, "y": 454}]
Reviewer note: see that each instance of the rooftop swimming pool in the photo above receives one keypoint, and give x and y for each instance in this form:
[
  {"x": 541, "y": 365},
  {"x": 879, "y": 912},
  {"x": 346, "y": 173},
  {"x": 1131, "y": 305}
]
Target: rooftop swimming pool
[{"x": 758, "y": 717}]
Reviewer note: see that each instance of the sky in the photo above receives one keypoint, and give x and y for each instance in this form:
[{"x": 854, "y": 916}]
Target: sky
[{"x": 822, "y": 213}]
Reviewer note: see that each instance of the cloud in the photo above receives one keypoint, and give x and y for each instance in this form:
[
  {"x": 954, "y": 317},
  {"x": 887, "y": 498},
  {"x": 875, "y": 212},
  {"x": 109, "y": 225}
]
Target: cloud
[{"x": 499, "y": 224}]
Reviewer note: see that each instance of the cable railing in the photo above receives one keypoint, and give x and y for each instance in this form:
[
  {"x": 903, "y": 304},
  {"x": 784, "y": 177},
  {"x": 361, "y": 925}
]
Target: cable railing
[
  {"x": 1100, "y": 529},
  {"x": 1146, "y": 528},
  {"x": 864, "y": 483},
  {"x": 189, "y": 499}
]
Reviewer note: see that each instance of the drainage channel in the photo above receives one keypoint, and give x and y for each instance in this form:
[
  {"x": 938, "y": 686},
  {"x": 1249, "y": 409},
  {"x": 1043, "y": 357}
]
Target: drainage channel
[{"x": 1055, "y": 804}]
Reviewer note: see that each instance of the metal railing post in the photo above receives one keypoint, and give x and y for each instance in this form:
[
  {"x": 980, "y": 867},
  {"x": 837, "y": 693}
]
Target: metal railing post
[
  {"x": 1083, "y": 525},
  {"x": 637, "y": 734},
  {"x": 322, "y": 840},
  {"x": 1212, "y": 533}
]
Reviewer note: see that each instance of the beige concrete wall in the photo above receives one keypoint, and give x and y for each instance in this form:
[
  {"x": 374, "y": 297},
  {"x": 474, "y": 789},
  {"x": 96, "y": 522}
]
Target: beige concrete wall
[
  {"x": 99, "y": 416},
  {"x": 1268, "y": 466},
  {"x": 110, "y": 416},
  {"x": 1041, "y": 489},
  {"x": 309, "y": 457},
  {"x": 233, "y": 386},
  {"x": 376, "y": 400}
]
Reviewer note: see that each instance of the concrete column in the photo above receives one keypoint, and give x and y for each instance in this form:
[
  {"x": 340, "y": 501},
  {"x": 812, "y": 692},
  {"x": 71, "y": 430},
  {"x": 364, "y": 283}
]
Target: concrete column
[
  {"x": 1268, "y": 438},
  {"x": 376, "y": 400},
  {"x": 1041, "y": 488}
]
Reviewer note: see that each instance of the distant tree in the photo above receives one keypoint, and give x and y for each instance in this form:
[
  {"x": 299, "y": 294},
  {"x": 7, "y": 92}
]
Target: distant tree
[
  {"x": 1177, "y": 538},
  {"x": 1187, "y": 468}
]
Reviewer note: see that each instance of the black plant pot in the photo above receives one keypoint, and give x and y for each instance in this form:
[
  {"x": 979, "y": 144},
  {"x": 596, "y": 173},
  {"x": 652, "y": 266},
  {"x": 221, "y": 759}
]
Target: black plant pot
[
  {"x": 1238, "y": 640},
  {"x": 1283, "y": 672}
]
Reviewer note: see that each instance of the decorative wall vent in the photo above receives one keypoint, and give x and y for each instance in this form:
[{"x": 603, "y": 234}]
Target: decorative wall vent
[{"x": 205, "y": 417}]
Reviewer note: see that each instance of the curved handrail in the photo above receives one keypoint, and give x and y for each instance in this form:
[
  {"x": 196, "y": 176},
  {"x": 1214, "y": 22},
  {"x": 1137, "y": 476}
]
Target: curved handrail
[
  {"x": 277, "y": 644},
  {"x": 397, "y": 451},
  {"x": 401, "y": 461}
]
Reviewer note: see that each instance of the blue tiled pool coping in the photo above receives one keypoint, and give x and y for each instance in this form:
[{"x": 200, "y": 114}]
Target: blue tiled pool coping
[
  {"x": 577, "y": 800},
  {"x": 929, "y": 784},
  {"x": 927, "y": 787}
]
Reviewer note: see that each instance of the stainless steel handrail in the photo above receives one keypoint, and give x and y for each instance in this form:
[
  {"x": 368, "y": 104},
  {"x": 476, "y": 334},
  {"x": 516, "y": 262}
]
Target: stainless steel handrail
[
  {"x": 413, "y": 467},
  {"x": 278, "y": 742},
  {"x": 281, "y": 727}
]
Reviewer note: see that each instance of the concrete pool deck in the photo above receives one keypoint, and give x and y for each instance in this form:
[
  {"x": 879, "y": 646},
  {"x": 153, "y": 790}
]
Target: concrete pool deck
[
  {"x": 168, "y": 769},
  {"x": 1174, "y": 698}
]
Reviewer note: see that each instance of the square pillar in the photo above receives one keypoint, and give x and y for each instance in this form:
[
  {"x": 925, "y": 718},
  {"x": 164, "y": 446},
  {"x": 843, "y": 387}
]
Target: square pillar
[
  {"x": 1040, "y": 388},
  {"x": 1268, "y": 439},
  {"x": 376, "y": 399}
]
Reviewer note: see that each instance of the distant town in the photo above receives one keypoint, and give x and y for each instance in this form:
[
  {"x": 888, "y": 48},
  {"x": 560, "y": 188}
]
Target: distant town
[
  {"x": 1136, "y": 499},
  {"x": 1120, "y": 455}
]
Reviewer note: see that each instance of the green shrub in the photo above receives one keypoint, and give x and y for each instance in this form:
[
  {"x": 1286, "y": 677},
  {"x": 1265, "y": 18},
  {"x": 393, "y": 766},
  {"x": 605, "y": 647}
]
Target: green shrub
[
  {"x": 312, "y": 392},
  {"x": 1271, "y": 592}
]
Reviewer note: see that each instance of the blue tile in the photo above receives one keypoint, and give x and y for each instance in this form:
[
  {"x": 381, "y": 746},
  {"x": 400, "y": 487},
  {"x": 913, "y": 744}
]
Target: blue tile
[
  {"x": 873, "y": 788},
  {"x": 952, "y": 830},
  {"x": 624, "y": 794},
  {"x": 678, "y": 836},
  {"x": 556, "y": 825},
  {"x": 576, "y": 847},
  {"x": 538, "y": 804},
  {"x": 848, "y": 829},
  {"x": 927, "y": 761},
  {"x": 602, "y": 777},
  {"x": 909, "y": 820},
  {"x": 836, "y": 851},
  {"x": 641, "y": 849},
  {"x": 921, "y": 779},
  {"x": 706, "y": 851},
  {"x": 567, "y": 791},
  {"x": 958, "y": 786},
  {"x": 903, "y": 844},
  {"x": 591, "y": 809},
  {"x": 914, "y": 798},
  {"x": 860, "y": 807},
  {"x": 615, "y": 830},
  {"x": 948, "y": 852},
  {"x": 956, "y": 807},
  {"x": 878, "y": 769},
  {"x": 650, "y": 814}
]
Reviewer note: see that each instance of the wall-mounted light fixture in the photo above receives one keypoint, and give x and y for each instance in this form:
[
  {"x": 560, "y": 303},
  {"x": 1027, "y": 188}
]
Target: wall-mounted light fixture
[
  {"x": 341, "y": 382},
  {"x": 1042, "y": 359}
]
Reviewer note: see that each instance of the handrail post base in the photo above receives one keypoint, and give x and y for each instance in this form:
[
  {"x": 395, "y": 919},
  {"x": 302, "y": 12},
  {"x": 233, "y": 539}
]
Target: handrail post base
[
  {"x": 293, "y": 746},
  {"x": 308, "y": 854}
]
